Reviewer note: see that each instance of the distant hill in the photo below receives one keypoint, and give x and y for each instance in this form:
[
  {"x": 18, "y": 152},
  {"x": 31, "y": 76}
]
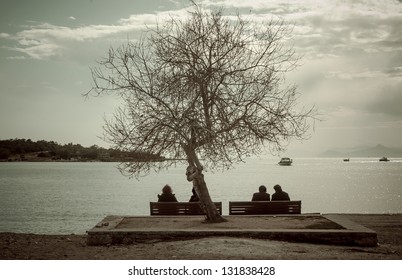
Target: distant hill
[
  {"x": 28, "y": 150},
  {"x": 377, "y": 151}
]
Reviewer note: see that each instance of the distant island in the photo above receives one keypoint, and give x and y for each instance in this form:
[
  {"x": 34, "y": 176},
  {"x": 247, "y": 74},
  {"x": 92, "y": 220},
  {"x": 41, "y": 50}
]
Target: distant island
[
  {"x": 377, "y": 151},
  {"x": 28, "y": 150}
]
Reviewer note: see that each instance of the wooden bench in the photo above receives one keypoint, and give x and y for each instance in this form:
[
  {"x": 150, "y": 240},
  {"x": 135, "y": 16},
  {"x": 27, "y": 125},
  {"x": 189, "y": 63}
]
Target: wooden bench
[
  {"x": 179, "y": 208},
  {"x": 264, "y": 207}
]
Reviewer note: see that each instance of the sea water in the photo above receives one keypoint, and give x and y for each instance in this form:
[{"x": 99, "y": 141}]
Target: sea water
[{"x": 71, "y": 197}]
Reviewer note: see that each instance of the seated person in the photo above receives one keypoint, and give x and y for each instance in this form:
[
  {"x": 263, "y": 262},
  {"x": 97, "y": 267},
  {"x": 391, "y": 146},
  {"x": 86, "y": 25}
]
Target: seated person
[
  {"x": 279, "y": 194},
  {"x": 261, "y": 195},
  {"x": 194, "y": 197},
  {"x": 167, "y": 195}
]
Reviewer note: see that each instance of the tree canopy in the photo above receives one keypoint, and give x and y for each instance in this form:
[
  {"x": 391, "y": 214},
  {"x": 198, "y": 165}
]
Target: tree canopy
[{"x": 210, "y": 85}]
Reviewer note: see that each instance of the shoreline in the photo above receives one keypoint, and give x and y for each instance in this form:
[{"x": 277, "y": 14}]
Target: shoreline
[
  {"x": 84, "y": 231},
  {"x": 26, "y": 246}
]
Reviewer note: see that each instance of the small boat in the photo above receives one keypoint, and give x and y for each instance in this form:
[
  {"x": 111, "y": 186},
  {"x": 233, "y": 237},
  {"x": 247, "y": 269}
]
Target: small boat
[
  {"x": 285, "y": 161},
  {"x": 384, "y": 159},
  {"x": 346, "y": 159}
]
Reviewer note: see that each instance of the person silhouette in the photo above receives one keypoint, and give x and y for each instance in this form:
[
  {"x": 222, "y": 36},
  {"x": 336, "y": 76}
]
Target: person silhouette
[
  {"x": 194, "y": 197},
  {"x": 261, "y": 195},
  {"x": 279, "y": 194},
  {"x": 167, "y": 195}
]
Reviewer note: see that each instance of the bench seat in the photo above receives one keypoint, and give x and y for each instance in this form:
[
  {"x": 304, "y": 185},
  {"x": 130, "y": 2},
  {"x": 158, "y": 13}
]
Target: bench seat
[
  {"x": 264, "y": 207},
  {"x": 179, "y": 208}
]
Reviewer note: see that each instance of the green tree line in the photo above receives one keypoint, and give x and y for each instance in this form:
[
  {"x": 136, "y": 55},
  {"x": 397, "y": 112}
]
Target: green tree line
[{"x": 26, "y": 149}]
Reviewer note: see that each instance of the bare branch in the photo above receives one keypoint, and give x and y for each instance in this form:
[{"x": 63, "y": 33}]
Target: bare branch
[{"x": 209, "y": 87}]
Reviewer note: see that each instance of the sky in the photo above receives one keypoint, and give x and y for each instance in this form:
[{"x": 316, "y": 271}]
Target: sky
[{"x": 350, "y": 67}]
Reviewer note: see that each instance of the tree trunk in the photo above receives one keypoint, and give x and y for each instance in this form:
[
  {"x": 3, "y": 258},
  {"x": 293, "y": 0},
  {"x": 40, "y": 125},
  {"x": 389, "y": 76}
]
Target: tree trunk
[{"x": 195, "y": 175}]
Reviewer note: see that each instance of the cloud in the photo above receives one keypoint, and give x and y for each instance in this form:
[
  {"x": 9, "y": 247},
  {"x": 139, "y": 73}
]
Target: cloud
[
  {"x": 389, "y": 101},
  {"x": 395, "y": 71},
  {"x": 4, "y": 35},
  {"x": 321, "y": 28},
  {"x": 152, "y": 19},
  {"x": 368, "y": 7},
  {"x": 352, "y": 54},
  {"x": 39, "y": 51},
  {"x": 346, "y": 45},
  {"x": 45, "y": 40},
  {"x": 332, "y": 26},
  {"x": 16, "y": 57},
  {"x": 354, "y": 32},
  {"x": 366, "y": 84},
  {"x": 366, "y": 74}
]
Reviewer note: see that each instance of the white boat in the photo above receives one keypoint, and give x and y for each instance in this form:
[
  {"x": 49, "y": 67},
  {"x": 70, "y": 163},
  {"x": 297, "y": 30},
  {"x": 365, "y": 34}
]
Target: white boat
[{"x": 285, "y": 161}]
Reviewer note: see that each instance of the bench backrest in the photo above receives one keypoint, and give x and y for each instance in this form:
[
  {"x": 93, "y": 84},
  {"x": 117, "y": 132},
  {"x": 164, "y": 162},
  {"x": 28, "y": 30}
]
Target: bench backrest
[
  {"x": 264, "y": 207},
  {"x": 179, "y": 208}
]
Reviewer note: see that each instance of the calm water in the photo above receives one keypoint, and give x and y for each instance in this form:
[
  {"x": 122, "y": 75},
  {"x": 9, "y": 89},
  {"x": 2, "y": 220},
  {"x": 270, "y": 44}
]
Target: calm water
[{"x": 73, "y": 197}]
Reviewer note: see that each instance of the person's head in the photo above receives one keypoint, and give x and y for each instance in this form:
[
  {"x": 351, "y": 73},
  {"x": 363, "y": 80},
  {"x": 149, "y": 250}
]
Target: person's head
[
  {"x": 262, "y": 188},
  {"x": 277, "y": 188},
  {"x": 167, "y": 189}
]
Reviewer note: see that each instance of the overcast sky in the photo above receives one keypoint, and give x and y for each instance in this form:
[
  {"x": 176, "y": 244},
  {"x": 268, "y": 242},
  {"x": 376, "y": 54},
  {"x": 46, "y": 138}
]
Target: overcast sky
[{"x": 351, "y": 68}]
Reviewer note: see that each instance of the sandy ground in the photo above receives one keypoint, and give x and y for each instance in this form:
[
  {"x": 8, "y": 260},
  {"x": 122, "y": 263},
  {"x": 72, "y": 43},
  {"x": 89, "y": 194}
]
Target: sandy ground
[
  {"x": 232, "y": 223},
  {"x": 60, "y": 247}
]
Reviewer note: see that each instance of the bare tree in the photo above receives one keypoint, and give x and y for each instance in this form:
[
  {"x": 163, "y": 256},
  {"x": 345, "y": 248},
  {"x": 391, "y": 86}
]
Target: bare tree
[{"x": 208, "y": 89}]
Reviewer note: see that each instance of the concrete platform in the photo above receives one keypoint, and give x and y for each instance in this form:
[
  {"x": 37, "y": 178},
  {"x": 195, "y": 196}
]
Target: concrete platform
[{"x": 311, "y": 228}]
